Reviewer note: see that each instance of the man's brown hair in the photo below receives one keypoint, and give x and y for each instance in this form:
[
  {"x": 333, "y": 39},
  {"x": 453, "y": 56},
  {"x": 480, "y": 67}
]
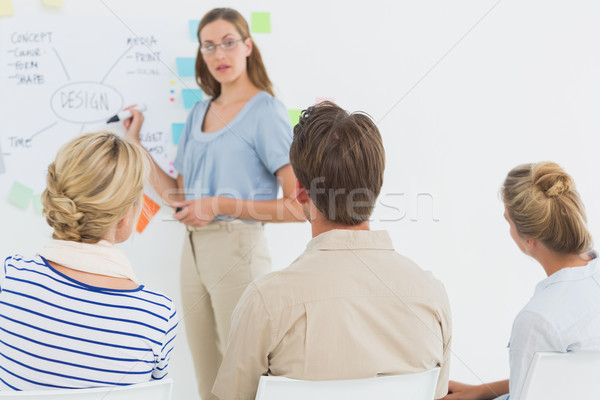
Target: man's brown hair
[{"x": 339, "y": 159}]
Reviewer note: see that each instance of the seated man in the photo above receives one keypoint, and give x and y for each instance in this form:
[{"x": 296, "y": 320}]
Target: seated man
[{"x": 350, "y": 306}]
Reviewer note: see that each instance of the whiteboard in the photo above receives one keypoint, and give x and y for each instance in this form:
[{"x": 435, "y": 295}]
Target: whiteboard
[
  {"x": 56, "y": 71},
  {"x": 462, "y": 92}
]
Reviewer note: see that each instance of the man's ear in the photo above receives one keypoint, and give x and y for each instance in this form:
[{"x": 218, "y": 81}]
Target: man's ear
[{"x": 301, "y": 193}]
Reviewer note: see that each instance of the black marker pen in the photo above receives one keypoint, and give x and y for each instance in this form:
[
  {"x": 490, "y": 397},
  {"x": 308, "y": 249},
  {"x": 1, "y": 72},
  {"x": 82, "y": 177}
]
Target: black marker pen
[{"x": 125, "y": 114}]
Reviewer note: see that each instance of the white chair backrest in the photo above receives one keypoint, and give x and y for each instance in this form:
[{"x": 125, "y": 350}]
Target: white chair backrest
[
  {"x": 155, "y": 390},
  {"x": 563, "y": 376},
  {"x": 419, "y": 386}
]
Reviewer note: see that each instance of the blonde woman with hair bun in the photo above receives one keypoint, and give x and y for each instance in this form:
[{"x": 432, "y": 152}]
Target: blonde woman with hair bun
[
  {"x": 548, "y": 223},
  {"x": 74, "y": 316}
]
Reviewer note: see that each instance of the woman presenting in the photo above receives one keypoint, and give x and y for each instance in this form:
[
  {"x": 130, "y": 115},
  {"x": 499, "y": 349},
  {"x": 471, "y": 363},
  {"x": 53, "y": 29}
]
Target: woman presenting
[{"x": 231, "y": 157}]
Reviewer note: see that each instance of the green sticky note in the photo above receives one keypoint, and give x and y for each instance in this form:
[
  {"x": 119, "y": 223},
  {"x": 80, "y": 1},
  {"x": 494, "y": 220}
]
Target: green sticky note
[
  {"x": 294, "y": 116},
  {"x": 37, "y": 203},
  {"x": 20, "y": 195},
  {"x": 261, "y": 22}
]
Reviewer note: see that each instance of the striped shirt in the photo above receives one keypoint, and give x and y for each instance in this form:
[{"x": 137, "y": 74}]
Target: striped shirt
[{"x": 56, "y": 332}]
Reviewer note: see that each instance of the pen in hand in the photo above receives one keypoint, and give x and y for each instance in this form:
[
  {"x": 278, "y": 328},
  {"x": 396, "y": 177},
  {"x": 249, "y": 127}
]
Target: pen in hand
[{"x": 125, "y": 114}]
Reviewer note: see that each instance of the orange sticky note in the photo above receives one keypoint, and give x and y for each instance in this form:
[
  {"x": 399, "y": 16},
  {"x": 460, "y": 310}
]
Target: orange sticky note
[{"x": 149, "y": 210}]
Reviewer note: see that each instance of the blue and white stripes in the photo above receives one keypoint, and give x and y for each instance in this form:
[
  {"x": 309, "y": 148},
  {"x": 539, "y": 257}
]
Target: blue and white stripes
[{"x": 56, "y": 332}]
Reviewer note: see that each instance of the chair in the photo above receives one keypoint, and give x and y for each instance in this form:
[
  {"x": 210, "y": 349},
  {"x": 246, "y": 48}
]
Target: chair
[
  {"x": 560, "y": 376},
  {"x": 155, "y": 390},
  {"x": 419, "y": 386}
]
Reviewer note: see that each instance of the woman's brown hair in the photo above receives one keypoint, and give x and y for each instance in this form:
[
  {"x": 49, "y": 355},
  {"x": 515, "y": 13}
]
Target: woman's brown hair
[{"x": 254, "y": 64}]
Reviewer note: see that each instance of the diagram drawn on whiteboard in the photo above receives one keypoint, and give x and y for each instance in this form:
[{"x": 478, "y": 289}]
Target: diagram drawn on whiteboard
[{"x": 64, "y": 76}]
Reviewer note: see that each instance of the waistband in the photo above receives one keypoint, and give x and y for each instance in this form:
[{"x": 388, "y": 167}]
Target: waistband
[{"x": 226, "y": 225}]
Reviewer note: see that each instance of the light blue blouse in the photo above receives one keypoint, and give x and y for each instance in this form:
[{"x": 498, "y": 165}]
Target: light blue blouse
[{"x": 240, "y": 160}]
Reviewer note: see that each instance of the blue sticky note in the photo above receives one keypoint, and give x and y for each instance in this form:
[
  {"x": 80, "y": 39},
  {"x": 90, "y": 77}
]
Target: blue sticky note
[
  {"x": 194, "y": 24},
  {"x": 186, "y": 66},
  {"x": 191, "y": 97},
  {"x": 177, "y": 130}
]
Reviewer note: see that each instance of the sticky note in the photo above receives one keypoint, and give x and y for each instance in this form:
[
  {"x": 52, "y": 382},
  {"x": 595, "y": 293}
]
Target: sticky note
[
  {"x": 37, "y": 203},
  {"x": 55, "y": 3},
  {"x": 6, "y": 8},
  {"x": 149, "y": 210},
  {"x": 191, "y": 97},
  {"x": 261, "y": 22},
  {"x": 322, "y": 99},
  {"x": 20, "y": 195},
  {"x": 194, "y": 24},
  {"x": 186, "y": 66},
  {"x": 177, "y": 130},
  {"x": 294, "y": 116}
]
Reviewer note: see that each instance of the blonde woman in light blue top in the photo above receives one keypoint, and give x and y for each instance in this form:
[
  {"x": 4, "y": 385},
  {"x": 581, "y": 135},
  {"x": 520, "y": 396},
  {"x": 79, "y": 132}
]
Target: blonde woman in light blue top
[{"x": 232, "y": 157}]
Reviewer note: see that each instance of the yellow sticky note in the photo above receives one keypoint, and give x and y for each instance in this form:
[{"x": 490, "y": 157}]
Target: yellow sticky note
[
  {"x": 54, "y": 3},
  {"x": 6, "y": 8}
]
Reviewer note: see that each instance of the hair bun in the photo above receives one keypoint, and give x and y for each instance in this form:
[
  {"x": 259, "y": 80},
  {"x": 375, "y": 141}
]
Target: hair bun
[
  {"x": 62, "y": 214},
  {"x": 61, "y": 211},
  {"x": 551, "y": 179}
]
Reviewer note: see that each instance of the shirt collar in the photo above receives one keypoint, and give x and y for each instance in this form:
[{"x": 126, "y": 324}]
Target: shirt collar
[
  {"x": 570, "y": 274},
  {"x": 346, "y": 239}
]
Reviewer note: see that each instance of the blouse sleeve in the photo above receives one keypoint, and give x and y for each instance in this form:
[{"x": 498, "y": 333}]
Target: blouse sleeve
[
  {"x": 274, "y": 136},
  {"x": 531, "y": 333}
]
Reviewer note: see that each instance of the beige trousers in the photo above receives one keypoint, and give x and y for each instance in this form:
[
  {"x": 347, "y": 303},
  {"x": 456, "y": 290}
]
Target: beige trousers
[{"x": 218, "y": 262}]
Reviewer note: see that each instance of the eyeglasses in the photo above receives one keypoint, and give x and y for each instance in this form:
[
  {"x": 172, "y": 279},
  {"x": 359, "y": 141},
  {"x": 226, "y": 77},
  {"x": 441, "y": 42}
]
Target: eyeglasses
[{"x": 228, "y": 44}]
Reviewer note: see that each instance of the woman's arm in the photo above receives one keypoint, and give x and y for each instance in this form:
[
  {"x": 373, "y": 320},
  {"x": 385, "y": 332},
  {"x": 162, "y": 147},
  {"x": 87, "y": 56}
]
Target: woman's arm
[
  {"x": 169, "y": 189},
  {"x": 485, "y": 391},
  {"x": 200, "y": 212}
]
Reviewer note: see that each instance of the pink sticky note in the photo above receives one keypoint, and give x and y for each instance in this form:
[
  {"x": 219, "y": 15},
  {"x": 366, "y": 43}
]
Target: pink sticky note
[{"x": 322, "y": 99}]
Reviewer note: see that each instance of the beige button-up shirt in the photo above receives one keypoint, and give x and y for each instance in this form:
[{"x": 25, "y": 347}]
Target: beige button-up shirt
[{"x": 349, "y": 307}]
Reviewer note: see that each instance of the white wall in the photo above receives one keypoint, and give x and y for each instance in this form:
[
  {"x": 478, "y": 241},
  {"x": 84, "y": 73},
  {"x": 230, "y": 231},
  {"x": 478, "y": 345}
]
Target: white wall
[{"x": 462, "y": 91}]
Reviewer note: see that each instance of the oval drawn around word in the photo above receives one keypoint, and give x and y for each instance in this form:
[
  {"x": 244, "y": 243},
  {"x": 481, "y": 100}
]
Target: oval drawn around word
[{"x": 86, "y": 102}]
